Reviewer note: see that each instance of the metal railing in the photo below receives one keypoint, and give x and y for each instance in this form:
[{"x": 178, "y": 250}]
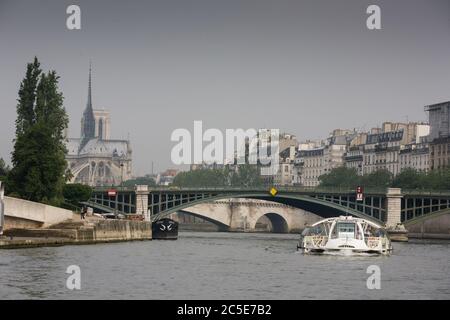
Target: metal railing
[{"x": 337, "y": 190}]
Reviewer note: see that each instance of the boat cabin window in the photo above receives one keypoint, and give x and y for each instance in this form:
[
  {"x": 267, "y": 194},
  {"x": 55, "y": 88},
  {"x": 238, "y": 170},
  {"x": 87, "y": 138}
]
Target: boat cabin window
[
  {"x": 318, "y": 230},
  {"x": 374, "y": 232},
  {"x": 306, "y": 232},
  {"x": 345, "y": 230}
]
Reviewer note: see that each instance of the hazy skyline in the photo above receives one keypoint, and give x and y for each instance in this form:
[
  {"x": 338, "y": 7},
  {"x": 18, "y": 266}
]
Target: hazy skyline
[{"x": 305, "y": 67}]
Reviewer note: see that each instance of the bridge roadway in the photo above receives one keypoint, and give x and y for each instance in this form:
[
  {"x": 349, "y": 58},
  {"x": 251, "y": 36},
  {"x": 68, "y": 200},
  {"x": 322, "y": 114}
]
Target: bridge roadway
[{"x": 389, "y": 207}]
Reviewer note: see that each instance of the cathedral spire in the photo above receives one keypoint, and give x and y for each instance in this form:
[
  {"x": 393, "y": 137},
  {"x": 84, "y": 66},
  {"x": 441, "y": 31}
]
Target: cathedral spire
[
  {"x": 88, "y": 120},
  {"x": 89, "y": 101}
]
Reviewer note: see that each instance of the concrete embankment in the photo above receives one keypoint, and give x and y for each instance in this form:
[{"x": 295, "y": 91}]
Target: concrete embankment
[
  {"x": 78, "y": 232},
  {"x": 25, "y": 214}
]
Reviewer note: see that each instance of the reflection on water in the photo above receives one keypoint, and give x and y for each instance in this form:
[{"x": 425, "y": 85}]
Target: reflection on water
[{"x": 223, "y": 266}]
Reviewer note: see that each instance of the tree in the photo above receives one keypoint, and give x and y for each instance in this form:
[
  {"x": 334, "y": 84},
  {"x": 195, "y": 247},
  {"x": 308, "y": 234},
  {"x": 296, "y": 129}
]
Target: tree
[
  {"x": 4, "y": 169},
  {"x": 76, "y": 193},
  {"x": 27, "y": 98},
  {"x": 445, "y": 182},
  {"x": 39, "y": 165},
  {"x": 146, "y": 180},
  {"x": 49, "y": 108},
  {"x": 437, "y": 179},
  {"x": 342, "y": 177},
  {"x": 378, "y": 179},
  {"x": 409, "y": 178},
  {"x": 202, "y": 178},
  {"x": 246, "y": 175}
]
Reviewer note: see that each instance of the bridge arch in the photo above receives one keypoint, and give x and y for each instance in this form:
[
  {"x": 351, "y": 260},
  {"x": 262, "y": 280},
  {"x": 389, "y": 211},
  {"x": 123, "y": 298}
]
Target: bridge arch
[
  {"x": 322, "y": 208},
  {"x": 244, "y": 216},
  {"x": 427, "y": 217},
  {"x": 279, "y": 224},
  {"x": 162, "y": 203},
  {"x": 389, "y": 207}
]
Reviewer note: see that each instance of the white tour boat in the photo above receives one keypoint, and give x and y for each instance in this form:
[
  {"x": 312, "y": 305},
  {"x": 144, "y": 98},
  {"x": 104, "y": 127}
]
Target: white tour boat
[{"x": 346, "y": 235}]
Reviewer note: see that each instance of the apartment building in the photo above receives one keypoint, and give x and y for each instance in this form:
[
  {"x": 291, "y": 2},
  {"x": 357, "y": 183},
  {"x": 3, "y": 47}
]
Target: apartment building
[
  {"x": 316, "y": 159},
  {"x": 416, "y": 156},
  {"x": 439, "y": 138}
]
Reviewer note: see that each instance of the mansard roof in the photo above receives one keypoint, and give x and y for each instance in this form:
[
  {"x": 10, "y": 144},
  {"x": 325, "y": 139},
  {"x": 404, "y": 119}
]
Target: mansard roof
[{"x": 385, "y": 137}]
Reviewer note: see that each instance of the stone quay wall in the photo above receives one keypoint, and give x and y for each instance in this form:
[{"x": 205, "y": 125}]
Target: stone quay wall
[
  {"x": 116, "y": 230},
  {"x": 102, "y": 231}
]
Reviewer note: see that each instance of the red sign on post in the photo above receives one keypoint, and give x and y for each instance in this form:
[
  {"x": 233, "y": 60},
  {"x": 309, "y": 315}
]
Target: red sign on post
[
  {"x": 359, "y": 193},
  {"x": 112, "y": 192}
]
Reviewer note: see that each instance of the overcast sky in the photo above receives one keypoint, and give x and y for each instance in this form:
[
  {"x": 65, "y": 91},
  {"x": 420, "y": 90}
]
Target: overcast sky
[{"x": 305, "y": 67}]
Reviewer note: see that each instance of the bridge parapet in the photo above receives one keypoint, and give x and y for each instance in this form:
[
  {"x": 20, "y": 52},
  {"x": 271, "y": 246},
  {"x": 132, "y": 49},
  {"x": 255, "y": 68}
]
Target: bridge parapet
[
  {"x": 300, "y": 190},
  {"x": 162, "y": 202}
]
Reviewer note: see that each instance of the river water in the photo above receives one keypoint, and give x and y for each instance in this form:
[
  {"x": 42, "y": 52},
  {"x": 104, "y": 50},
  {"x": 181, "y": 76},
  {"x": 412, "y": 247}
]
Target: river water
[{"x": 223, "y": 266}]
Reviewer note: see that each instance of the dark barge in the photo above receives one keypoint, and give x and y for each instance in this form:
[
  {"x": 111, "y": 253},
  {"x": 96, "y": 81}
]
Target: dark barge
[{"x": 165, "y": 229}]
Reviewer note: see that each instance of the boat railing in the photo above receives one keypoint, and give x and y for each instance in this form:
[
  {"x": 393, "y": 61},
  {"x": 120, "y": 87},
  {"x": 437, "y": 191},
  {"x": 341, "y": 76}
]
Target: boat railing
[
  {"x": 373, "y": 242},
  {"x": 316, "y": 240}
]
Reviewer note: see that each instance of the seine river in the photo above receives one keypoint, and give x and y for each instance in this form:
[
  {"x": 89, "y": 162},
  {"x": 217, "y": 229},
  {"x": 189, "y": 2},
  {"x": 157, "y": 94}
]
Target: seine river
[{"x": 223, "y": 266}]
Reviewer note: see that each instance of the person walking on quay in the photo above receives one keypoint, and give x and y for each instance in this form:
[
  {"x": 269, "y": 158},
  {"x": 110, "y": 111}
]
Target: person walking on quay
[{"x": 83, "y": 212}]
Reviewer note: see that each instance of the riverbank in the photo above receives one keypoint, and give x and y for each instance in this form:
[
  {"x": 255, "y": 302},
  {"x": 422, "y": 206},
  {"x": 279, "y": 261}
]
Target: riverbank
[
  {"x": 28, "y": 242},
  {"x": 204, "y": 227},
  {"x": 111, "y": 231},
  {"x": 77, "y": 233},
  {"x": 429, "y": 236}
]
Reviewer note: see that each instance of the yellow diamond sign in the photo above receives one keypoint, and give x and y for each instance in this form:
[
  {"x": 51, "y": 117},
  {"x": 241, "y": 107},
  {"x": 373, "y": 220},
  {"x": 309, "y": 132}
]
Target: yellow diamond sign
[{"x": 273, "y": 191}]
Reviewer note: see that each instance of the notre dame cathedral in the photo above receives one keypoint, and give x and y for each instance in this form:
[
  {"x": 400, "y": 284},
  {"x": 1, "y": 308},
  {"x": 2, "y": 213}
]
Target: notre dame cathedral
[{"x": 95, "y": 159}]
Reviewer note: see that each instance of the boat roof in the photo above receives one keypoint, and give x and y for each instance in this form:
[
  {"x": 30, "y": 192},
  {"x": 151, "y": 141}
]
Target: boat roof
[{"x": 347, "y": 219}]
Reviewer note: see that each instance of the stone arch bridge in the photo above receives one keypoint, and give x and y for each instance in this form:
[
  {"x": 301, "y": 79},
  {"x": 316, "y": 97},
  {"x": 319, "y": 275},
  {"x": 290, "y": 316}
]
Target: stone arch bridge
[{"x": 252, "y": 215}]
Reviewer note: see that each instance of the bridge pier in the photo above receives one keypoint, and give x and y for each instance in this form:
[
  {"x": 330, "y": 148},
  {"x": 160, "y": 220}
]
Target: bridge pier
[
  {"x": 394, "y": 225},
  {"x": 142, "y": 199}
]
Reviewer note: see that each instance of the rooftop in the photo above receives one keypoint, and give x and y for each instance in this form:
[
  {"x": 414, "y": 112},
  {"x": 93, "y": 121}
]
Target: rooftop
[{"x": 437, "y": 105}]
